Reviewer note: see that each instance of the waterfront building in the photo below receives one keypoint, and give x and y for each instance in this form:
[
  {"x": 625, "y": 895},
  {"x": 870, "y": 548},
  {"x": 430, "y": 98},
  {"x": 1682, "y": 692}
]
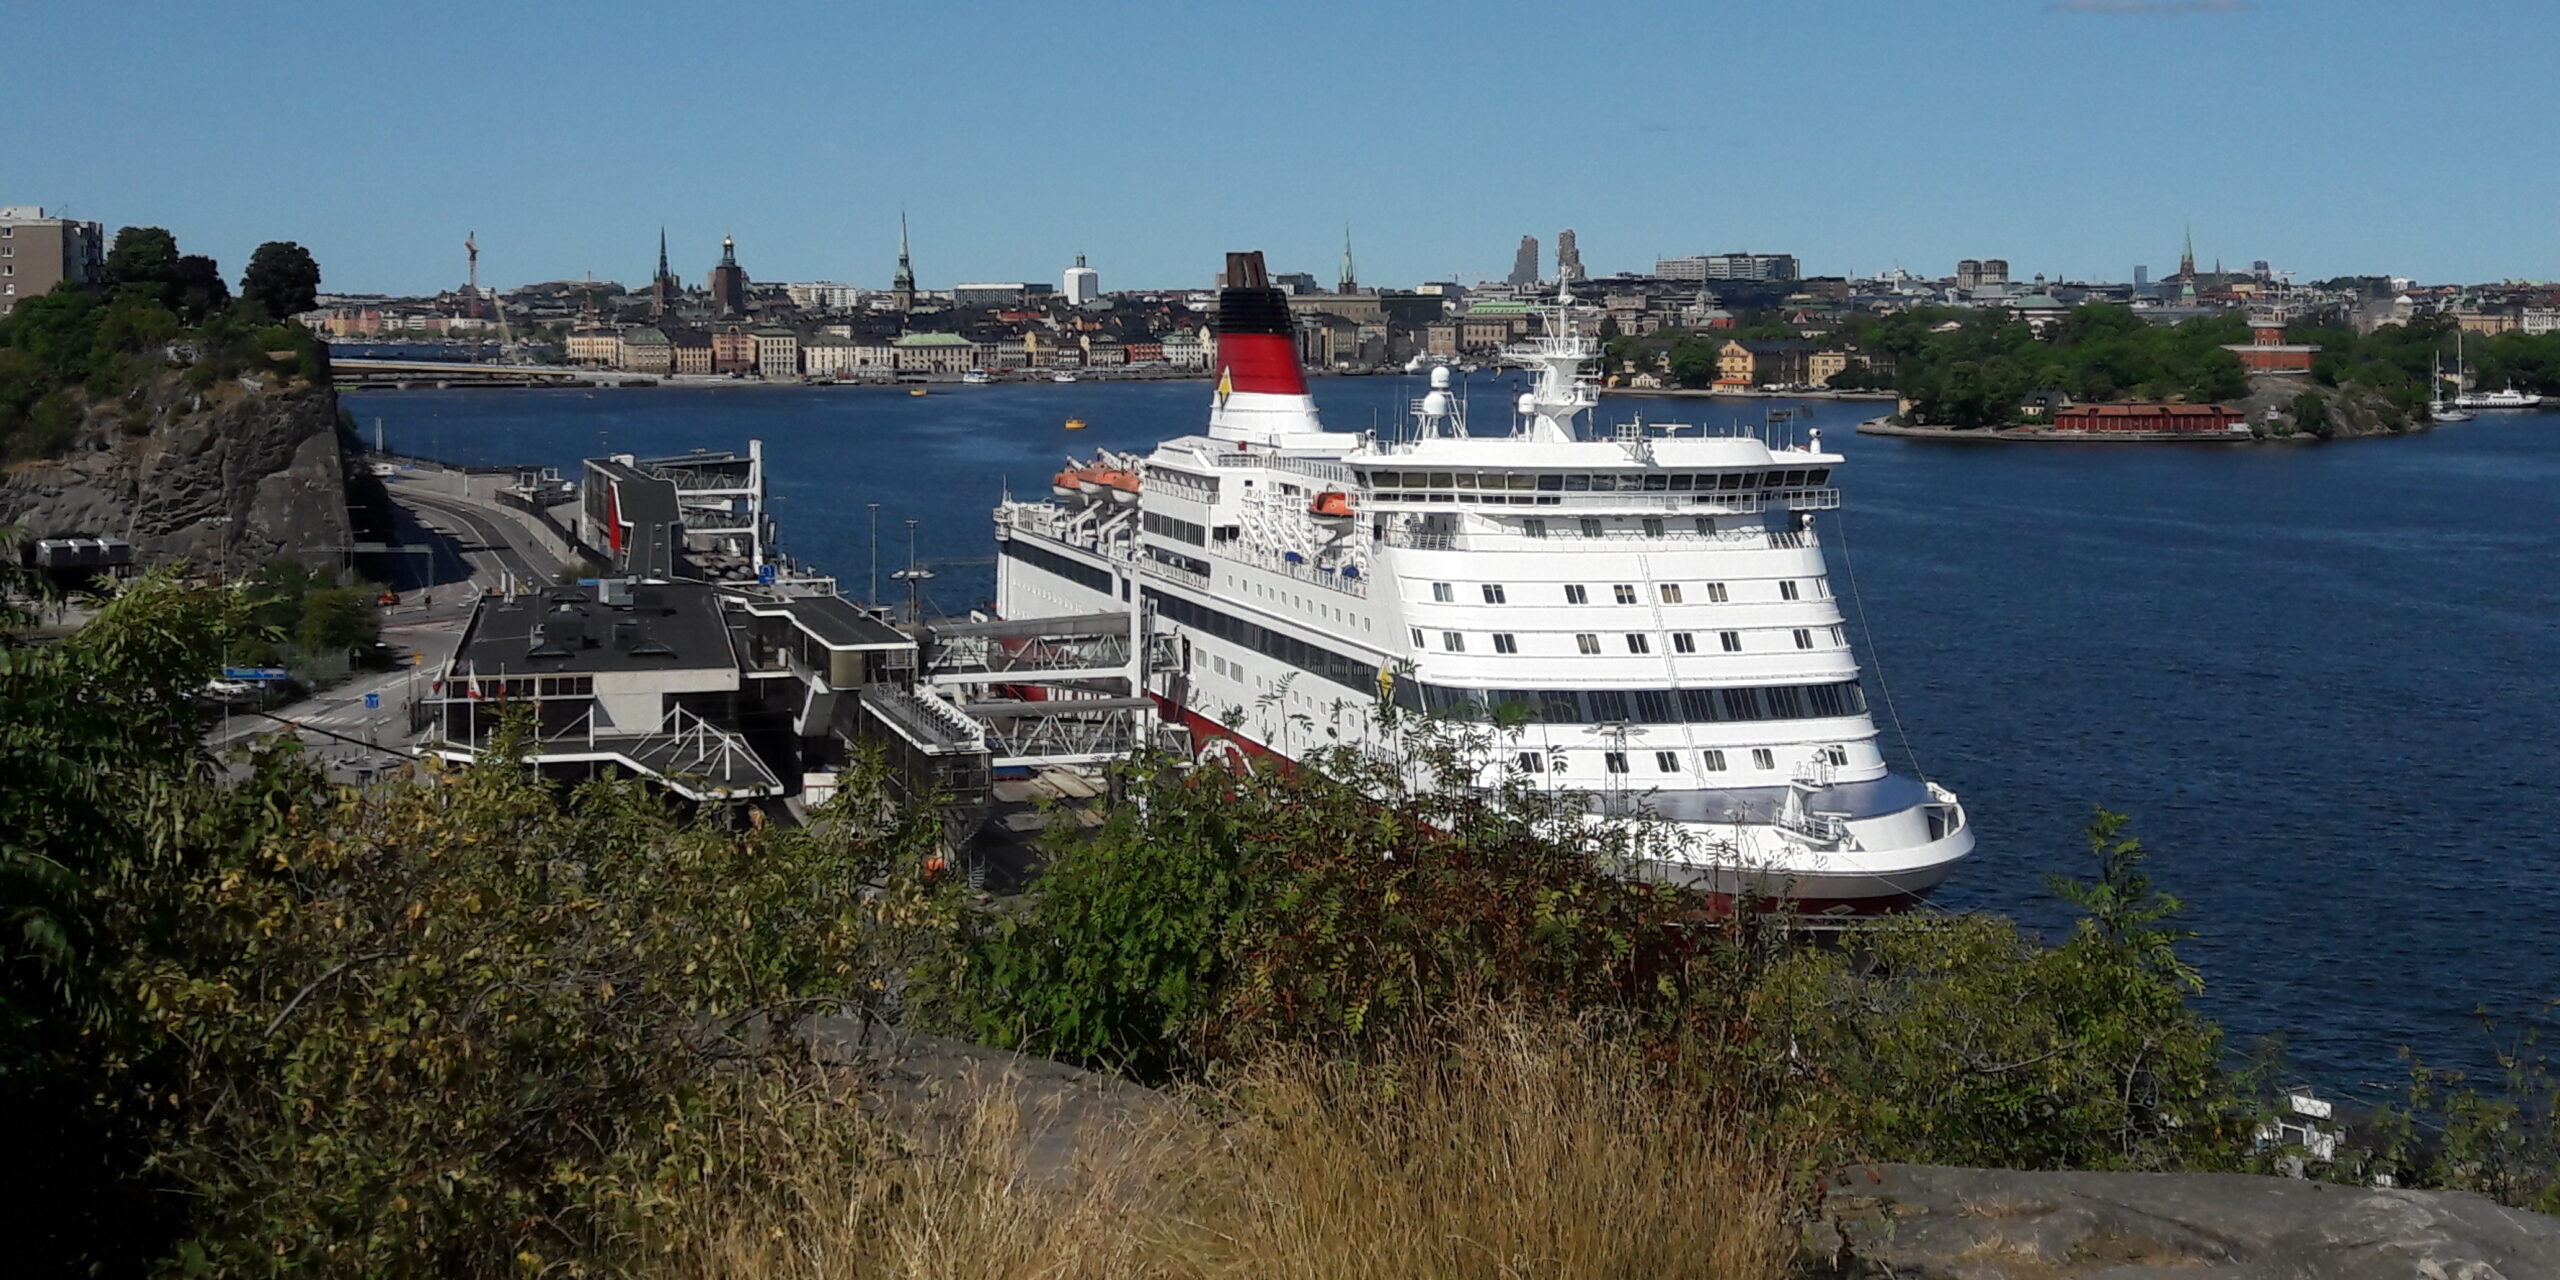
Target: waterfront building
[
  {"x": 645, "y": 350},
  {"x": 39, "y": 252},
  {"x": 1183, "y": 349},
  {"x": 829, "y": 355},
  {"x": 1104, "y": 351},
  {"x": 1146, "y": 352},
  {"x": 777, "y": 351},
  {"x": 1773, "y": 362},
  {"x": 1524, "y": 264},
  {"x": 1081, "y": 285},
  {"x": 689, "y": 350},
  {"x": 733, "y": 349},
  {"x": 729, "y": 281},
  {"x": 596, "y": 345},
  {"x": 935, "y": 353},
  {"x": 2153, "y": 416}
]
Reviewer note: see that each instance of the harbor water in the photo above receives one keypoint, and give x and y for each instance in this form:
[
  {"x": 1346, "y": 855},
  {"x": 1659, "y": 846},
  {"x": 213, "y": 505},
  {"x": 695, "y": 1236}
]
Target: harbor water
[{"x": 2320, "y": 678}]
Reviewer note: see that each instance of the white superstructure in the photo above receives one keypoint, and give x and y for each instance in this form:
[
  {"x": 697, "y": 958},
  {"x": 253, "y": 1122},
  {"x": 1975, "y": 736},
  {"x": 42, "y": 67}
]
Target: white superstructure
[{"x": 1652, "y": 608}]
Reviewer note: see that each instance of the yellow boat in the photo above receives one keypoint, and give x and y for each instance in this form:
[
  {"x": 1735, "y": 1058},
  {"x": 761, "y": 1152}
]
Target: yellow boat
[
  {"x": 915, "y": 391},
  {"x": 1075, "y": 424}
]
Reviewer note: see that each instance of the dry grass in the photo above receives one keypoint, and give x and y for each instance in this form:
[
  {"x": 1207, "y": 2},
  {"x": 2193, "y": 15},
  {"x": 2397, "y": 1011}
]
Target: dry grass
[{"x": 1524, "y": 1151}]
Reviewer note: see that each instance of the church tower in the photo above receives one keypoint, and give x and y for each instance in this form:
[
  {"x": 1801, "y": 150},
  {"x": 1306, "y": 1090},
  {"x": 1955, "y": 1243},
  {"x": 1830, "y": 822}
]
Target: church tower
[
  {"x": 903, "y": 285},
  {"x": 1350, "y": 282},
  {"x": 662, "y": 286}
]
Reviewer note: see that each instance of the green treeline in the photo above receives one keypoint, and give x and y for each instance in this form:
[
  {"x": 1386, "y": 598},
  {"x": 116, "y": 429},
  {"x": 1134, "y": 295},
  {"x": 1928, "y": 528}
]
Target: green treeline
[
  {"x": 82, "y": 346},
  {"x": 1975, "y": 367},
  {"x": 468, "y": 1023}
]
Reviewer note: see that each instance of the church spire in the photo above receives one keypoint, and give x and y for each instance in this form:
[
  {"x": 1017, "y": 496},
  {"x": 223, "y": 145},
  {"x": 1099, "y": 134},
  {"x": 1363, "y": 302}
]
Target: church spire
[
  {"x": 662, "y": 253},
  {"x": 904, "y": 283},
  {"x": 1350, "y": 282}
]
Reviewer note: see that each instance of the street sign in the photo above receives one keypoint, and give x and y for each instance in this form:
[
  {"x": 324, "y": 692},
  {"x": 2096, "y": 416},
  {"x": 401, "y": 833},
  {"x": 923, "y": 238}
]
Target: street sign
[
  {"x": 253, "y": 673},
  {"x": 373, "y": 702}
]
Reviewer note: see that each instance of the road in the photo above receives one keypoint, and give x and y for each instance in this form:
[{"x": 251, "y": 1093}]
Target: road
[{"x": 477, "y": 547}]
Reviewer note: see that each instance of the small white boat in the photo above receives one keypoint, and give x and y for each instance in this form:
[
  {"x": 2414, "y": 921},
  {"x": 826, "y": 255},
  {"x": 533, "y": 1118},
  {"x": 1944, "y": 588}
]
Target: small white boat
[
  {"x": 1062, "y": 376},
  {"x": 975, "y": 378}
]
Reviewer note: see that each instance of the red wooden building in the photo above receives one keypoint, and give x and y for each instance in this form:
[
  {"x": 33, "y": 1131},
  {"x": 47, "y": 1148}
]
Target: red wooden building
[{"x": 2153, "y": 416}]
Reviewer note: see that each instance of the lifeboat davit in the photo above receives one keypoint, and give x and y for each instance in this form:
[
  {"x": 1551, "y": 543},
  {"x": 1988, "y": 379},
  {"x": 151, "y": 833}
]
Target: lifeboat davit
[{"x": 1331, "y": 505}]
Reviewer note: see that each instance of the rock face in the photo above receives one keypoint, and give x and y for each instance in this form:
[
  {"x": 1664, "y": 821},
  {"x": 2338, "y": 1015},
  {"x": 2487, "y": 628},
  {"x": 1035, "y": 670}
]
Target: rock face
[
  {"x": 265, "y": 456},
  {"x": 1916, "y": 1222}
]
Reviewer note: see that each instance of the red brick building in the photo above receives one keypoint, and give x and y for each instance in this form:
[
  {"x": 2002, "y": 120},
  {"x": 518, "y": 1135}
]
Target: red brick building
[
  {"x": 2268, "y": 352},
  {"x": 2155, "y": 417}
]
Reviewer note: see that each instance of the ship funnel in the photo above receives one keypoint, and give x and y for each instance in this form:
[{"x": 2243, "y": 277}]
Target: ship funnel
[{"x": 1262, "y": 393}]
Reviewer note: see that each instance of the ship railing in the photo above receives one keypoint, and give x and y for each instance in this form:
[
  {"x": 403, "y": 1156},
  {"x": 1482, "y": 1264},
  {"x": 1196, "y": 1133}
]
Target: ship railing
[
  {"x": 1312, "y": 468},
  {"x": 1154, "y": 568},
  {"x": 1737, "y": 539},
  {"x": 1348, "y": 584}
]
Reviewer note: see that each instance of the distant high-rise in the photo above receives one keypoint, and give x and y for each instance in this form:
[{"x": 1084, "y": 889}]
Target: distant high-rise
[
  {"x": 1568, "y": 257},
  {"x": 1082, "y": 284},
  {"x": 44, "y": 252},
  {"x": 1524, "y": 263},
  {"x": 1741, "y": 266},
  {"x": 2141, "y": 281},
  {"x": 729, "y": 281}
]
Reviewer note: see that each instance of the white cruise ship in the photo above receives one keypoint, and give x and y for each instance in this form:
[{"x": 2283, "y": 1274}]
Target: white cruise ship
[{"x": 1653, "y": 602}]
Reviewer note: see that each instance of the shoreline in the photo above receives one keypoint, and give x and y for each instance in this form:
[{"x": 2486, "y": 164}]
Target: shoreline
[{"x": 2038, "y": 435}]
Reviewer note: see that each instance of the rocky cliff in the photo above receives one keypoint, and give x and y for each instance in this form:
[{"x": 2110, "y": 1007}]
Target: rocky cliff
[{"x": 159, "y": 468}]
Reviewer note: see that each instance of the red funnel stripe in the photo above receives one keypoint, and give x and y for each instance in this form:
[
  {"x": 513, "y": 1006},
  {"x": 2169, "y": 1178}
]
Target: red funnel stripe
[{"x": 1264, "y": 362}]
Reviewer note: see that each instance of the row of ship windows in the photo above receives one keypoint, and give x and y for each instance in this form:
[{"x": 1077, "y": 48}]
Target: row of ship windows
[
  {"x": 1600, "y": 482},
  {"x": 1626, "y": 592},
  {"x": 1637, "y": 641},
  {"x": 1595, "y": 527},
  {"x": 1636, "y": 706},
  {"x": 1713, "y": 760}
]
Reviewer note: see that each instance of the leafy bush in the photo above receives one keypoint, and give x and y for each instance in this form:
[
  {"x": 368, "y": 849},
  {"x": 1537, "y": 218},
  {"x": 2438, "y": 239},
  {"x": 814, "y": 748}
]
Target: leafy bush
[
  {"x": 1966, "y": 1041},
  {"x": 1223, "y": 915}
]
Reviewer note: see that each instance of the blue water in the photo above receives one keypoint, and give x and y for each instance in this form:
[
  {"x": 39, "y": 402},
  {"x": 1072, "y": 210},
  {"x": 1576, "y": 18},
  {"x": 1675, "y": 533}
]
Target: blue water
[{"x": 2319, "y": 677}]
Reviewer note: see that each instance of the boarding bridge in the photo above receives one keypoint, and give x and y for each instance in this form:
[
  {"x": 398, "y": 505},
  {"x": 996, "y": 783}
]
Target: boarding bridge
[{"x": 1052, "y": 691}]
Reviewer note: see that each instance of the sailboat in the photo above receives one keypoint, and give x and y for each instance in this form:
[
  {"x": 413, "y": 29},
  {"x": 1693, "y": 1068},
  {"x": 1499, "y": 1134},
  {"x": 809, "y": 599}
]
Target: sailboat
[{"x": 2440, "y": 409}]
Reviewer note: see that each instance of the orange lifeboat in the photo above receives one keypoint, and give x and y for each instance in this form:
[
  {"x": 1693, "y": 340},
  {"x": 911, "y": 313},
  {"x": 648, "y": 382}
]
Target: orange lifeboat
[
  {"x": 1332, "y": 504},
  {"x": 1119, "y": 486},
  {"x": 1068, "y": 485}
]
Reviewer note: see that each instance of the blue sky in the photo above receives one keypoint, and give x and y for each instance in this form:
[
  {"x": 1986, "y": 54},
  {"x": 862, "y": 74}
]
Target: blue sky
[{"x": 2074, "y": 138}]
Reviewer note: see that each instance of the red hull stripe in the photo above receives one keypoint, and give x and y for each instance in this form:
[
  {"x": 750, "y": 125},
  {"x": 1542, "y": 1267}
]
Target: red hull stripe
[{"x": 1265, "y": 362}]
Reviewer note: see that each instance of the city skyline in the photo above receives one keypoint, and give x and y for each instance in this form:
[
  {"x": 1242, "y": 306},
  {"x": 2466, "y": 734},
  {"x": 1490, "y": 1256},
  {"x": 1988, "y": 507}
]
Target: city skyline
[{"x": 2076, "y": 139}]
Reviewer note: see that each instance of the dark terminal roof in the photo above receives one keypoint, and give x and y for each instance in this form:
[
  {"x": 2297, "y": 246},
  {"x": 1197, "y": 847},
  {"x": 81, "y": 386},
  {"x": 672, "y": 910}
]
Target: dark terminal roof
[{"x": 671, "y": 626}]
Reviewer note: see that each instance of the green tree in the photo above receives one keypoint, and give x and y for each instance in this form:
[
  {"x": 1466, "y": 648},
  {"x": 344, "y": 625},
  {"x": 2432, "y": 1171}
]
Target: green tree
[
  {"x": 200, "y": 289},
  {"x": 283, "y": 278},
  {"x": 145, "y": 257},
  {"x": 338, "y": 620}
]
